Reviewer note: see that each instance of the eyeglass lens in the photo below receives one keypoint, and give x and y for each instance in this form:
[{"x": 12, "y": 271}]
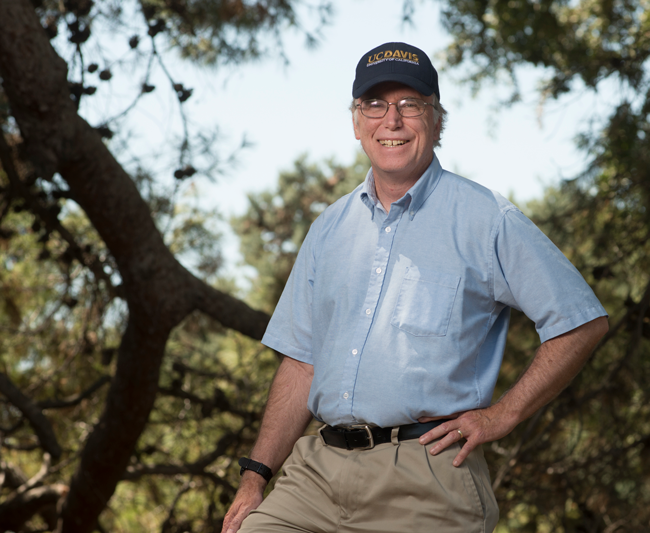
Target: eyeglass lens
[{"x": 408, "y": 107}]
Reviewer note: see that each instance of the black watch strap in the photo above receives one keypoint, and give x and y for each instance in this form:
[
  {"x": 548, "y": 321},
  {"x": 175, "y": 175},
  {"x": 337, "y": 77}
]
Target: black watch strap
[{"x": 261, "y": 469}]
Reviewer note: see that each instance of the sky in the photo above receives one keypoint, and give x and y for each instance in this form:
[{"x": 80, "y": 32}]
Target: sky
[
  {"x": 509, "y": 150},
  {"x": 505, "y": 150}
]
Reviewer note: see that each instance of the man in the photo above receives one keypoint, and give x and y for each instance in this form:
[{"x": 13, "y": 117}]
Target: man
[{"x": 393, "y": 326}]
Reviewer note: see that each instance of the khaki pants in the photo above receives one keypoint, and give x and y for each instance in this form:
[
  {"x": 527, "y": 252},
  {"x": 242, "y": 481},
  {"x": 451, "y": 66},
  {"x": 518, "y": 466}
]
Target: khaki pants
[{"x": 391, "y": 488}]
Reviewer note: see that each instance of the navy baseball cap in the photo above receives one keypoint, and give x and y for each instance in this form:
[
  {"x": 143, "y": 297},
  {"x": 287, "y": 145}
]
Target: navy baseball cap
[{"x": 399, "y": 62}]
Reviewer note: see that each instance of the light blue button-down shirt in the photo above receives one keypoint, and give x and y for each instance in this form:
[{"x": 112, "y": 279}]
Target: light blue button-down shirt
[{"x": 405, "y": 314}]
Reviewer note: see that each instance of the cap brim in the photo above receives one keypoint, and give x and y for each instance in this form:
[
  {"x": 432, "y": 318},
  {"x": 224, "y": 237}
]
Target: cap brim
[{"x": 412, "y": 82}]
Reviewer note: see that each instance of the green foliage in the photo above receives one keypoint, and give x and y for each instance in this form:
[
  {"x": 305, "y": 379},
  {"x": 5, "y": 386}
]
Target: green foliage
[
  {"x": 277, "y": 222},
  {"x": 184, "y": 472},
  {"x": 214, "y": 382},
  {"x": 208, "y": 31},
  {"x": 60, "y": 330},
  {"x": 53, "y": 331},
  {"x": 590, "y": 39},
  {"x": 224, "y": 30},
  {"x": 581, "y": 464},
  {"x": 62, "y": 302}
]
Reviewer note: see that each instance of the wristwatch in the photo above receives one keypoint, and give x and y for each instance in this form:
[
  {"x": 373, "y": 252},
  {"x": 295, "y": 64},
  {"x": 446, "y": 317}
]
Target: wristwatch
[{"x": 261, "y": 469}]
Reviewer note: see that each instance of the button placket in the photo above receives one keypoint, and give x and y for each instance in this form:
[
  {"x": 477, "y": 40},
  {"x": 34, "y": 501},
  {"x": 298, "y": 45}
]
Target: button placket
[{"x": 386, "y": 235}]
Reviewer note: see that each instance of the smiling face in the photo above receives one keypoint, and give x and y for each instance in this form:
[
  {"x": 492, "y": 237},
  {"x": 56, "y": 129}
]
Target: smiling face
[{"x": 400, "y": 149}]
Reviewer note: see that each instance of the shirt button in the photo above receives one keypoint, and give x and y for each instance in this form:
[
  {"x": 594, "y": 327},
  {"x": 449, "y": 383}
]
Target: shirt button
[
  {"x": 387, "y": 230},
  {"x": 346, "y": 395},
  {"x": 378, "y": 271},
  {"x": 368, "y": 311},
  {"x": 355, "y": 351}
]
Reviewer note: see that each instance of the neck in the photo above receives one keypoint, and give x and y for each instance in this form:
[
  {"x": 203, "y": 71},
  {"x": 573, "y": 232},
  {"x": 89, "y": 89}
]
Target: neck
[
  {"x": 389, "y": 191},
  {"x": 391, "y": 186}
]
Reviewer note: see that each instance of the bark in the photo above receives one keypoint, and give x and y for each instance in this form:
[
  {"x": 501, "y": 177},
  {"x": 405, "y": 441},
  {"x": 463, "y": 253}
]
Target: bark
[{"x": 158, "y": 290}]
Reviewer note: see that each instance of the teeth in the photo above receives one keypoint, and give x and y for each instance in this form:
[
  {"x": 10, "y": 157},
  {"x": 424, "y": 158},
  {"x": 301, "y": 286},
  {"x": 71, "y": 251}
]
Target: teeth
[{"x": 392, "y": 143}]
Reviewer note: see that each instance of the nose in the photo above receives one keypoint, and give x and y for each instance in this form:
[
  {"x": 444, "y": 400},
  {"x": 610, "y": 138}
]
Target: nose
[{"x": 392, "y": 118}]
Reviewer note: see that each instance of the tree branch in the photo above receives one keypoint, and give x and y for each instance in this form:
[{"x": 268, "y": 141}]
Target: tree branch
[
  {"x": 197, "y": 468},
  {"x": 14, "y": 477},
  {"x": 38, "y": 477},
  {"x": 229, "y": 311},
  {"x": 31, "y": 412},
  {"x": 77, "y": 398},
  {"x": 218, "y": 401},
  {"x": 17, "y": 510},
  {"x": 170, "y": 521},
  {"x": 50, "y": 219},
  {"x": 158, "y": 290}
]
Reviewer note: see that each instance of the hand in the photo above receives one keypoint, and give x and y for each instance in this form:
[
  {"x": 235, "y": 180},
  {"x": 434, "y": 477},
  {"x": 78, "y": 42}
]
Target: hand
[
  {"x": 248, "y": 497},
  {"x": 476, "y": 427}
]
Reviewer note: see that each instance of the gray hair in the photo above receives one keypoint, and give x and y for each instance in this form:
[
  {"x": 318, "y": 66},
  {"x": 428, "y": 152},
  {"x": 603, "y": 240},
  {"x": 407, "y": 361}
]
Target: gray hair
[{"x": 439, "y": 114}]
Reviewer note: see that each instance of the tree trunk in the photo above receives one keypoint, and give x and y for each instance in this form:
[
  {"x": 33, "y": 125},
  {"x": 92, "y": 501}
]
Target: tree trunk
[{"x": 159, "y": 291}]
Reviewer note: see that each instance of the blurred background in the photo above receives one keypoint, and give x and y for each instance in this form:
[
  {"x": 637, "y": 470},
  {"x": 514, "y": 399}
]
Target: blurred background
[{"x": 160, "y": 164}]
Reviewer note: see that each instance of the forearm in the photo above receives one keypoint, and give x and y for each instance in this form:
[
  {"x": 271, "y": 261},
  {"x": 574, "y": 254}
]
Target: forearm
[
  {"x": 555, "y": 364},
  {"x": 286, "y": 416},
  {"x": 285, "y": 419}
]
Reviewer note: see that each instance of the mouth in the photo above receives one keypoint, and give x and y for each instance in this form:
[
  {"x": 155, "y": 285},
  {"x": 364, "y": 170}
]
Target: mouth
[{"x": 388, "y": 142}]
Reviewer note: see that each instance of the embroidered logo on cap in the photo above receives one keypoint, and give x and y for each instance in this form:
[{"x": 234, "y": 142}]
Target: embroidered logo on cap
[{"x": 390, "y": 55}]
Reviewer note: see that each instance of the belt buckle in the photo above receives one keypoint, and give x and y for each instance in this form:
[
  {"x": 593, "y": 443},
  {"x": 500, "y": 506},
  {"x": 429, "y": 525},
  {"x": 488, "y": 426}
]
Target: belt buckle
[{"x": 371, "y": 439}]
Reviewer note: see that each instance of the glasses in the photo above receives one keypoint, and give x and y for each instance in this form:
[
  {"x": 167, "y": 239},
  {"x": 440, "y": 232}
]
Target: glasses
[{"x": 407, "y": 107}]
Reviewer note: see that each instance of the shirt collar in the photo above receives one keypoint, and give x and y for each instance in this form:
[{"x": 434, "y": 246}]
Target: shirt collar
[
  {"x": 415, "y": 196},
  {"x": 369, "y": 195}
]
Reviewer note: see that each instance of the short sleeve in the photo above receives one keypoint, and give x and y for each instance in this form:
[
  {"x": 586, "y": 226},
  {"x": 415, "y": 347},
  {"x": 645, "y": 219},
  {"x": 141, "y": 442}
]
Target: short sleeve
[
  {"x": 290, "y": 329},
  {"x": 532, "y": 275}
]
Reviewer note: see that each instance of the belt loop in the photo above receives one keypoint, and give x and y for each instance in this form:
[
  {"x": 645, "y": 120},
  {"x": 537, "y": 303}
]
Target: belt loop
[{"x": 393, "y": 436}]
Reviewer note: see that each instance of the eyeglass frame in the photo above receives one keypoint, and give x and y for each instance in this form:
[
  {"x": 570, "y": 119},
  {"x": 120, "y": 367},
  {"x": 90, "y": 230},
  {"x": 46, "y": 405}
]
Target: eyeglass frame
[{"x": 396, "y": 106}]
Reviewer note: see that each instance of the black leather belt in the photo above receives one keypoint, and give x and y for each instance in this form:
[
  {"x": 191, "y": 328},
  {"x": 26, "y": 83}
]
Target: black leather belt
[{"x": 365, "y": 437}]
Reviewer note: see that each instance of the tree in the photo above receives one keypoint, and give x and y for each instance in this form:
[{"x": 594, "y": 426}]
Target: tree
[
  {"x": 276, "y": 223},
  {"x": 581, "y": 464},
  {"x": 53, "y": 160}
]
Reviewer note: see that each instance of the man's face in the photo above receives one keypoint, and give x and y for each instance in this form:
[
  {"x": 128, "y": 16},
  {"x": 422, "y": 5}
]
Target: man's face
[{"x": 408, "y": 158}]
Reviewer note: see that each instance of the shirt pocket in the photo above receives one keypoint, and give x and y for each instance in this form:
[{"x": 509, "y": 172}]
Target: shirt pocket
[{"x": 425, "y": 302}]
